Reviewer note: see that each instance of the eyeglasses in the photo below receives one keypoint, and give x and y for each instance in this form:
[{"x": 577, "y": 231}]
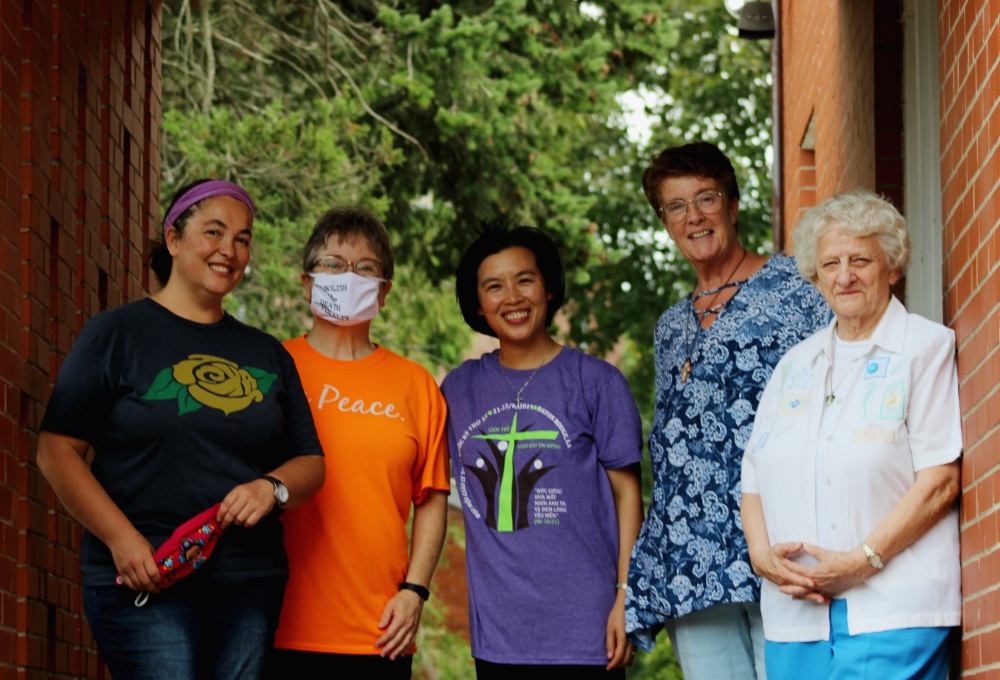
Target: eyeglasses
[
  {"x": 334, "y": 264},
  {"x": 707, "y": 203}
]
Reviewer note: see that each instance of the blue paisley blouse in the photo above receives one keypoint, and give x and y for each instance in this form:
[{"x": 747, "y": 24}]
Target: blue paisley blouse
[{"x": 691, "y": 552}]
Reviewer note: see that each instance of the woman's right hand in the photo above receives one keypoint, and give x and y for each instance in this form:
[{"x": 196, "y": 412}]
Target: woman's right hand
[
  {"x": 133, "y": 556},
  {"x": 771, "y": 561},
  {"x": 62, "y": 459},
  {"x": 773, "y": 564}
]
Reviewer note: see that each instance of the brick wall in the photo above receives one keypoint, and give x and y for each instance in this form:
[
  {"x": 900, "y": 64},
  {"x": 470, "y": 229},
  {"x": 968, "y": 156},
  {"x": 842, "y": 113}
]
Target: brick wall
[
  {"x": 79, "y": 192},
  {"x": 828, "y": 78},
  {"x": 969, "y": 40}
]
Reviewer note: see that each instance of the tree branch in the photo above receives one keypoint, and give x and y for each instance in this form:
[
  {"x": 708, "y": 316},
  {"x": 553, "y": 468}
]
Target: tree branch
[
  {"x": 374, "y": 115},
  {"x": 206, "y": 18}
]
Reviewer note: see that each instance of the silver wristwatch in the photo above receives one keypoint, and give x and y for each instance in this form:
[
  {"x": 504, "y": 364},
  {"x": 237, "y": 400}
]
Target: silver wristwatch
[
  {"x": 874, "y": 558},
  {"x": 280, "y": 490}
]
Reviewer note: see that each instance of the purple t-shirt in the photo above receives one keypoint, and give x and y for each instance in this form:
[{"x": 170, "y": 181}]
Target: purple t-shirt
[{"x": 540, "y": 522}]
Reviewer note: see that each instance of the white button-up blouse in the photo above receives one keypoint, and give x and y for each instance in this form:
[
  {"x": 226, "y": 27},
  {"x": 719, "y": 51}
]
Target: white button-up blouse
[{"x": 896, "y": 413}]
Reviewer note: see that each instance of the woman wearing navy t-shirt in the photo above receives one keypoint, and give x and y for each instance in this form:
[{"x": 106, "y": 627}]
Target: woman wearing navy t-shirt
[{"x": 184, "y": 407}]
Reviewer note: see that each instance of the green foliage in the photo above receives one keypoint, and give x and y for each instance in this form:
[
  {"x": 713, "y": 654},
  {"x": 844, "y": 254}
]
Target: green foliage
[
  {"x": 722, "y": 86},
  {"x": 660, "y": 664},
  {"x": 436, "y": 114},
  {"x": 515, "y": 99},
  {"x": 421, "y": 321},
  {"x": 439, "y": 114},
  {"x": 441, "y": 654}
]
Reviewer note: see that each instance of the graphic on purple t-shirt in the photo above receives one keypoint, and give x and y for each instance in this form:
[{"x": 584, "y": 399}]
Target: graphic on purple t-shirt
[{"x": 507, "y": 497}]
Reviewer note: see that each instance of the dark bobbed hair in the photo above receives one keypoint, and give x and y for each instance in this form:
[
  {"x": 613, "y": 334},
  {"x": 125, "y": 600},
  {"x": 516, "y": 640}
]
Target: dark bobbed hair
[
  {"x": 350, "y": 222},
  {"x": 697, "y": 159},
  {"x": 497, "y": 236},
  {"x": 160, "y": 260}
]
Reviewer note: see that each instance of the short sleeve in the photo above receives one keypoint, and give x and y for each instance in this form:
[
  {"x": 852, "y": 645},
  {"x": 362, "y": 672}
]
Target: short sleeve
[
  {"x": 616, "y": 422},
  {"x": 933, "y": 420},
  {"x": 82, "y": 396},
  {"x": 431, "y": 470},
  {"x": 762, "y": 424},
  {"x": 300, "y": 429}
]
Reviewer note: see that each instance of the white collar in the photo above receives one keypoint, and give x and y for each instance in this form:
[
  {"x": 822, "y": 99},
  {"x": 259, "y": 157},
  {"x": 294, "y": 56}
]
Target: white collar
[{"x": 889, "y": 334}]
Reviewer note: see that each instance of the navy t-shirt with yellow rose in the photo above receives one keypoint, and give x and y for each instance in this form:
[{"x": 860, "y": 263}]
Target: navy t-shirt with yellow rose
[{"x": 178, "y": 413}]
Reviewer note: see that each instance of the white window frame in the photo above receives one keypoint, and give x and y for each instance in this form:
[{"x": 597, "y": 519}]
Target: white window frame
[{"x": 922, "y": 159}]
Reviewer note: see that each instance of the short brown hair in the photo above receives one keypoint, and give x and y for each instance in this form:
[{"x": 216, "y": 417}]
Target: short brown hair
[
  {"x": 697, "y": 159},
  {"x": 350, "y": 222}
]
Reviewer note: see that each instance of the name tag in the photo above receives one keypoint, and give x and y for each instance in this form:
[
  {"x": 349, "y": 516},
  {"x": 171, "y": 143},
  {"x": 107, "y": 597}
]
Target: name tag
[{"x": 874, "y": 435}]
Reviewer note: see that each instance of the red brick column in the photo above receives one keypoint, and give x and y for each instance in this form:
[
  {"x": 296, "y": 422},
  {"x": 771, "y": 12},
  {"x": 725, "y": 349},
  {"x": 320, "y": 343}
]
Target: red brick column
[
  {"x": 969, "y": 39},
  {"x": 828, "y": 79},
  {"x": 79, "y": 142}
]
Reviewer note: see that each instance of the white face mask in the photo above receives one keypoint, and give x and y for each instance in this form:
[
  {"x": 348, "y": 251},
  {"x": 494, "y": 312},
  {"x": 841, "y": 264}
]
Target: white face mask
[{"x": 345, "y": 299}]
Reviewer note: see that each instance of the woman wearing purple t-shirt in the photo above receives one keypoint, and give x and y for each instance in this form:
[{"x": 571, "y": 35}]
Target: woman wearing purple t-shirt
[{"x": 545, "y": 446}]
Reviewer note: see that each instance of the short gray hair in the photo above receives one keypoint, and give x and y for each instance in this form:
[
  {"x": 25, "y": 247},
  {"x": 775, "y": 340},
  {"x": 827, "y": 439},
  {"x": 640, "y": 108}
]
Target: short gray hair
[{"x": 859, "y": 213}]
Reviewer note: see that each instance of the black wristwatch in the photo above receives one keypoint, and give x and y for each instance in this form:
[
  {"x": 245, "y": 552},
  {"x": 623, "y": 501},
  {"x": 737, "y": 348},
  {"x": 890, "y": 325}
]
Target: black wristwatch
[
  {"x": 280, "y": 490},
  {"x": 418, "y": 589}
]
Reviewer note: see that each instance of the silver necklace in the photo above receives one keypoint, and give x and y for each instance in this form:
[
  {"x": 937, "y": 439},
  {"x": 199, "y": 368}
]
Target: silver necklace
[
  {"x": 701, "y": 314},
  {"x": 530, "y": 377},
  {"x": 831, "y": 395}
]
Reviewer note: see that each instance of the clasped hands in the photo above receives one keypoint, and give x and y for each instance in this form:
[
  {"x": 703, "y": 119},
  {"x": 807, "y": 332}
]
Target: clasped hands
[{"x": 834, "y": 573}]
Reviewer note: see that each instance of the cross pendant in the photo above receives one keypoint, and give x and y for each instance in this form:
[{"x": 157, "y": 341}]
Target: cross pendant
[{"x": 685, "y": 371}]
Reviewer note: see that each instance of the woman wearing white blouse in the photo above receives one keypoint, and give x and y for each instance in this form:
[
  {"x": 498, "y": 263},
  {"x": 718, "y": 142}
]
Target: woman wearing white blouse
[{"x": 851, "y": 473}]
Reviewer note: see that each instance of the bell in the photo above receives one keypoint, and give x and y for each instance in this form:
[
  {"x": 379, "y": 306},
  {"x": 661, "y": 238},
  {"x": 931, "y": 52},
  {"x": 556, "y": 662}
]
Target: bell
[{"x": 756, "y": 21}]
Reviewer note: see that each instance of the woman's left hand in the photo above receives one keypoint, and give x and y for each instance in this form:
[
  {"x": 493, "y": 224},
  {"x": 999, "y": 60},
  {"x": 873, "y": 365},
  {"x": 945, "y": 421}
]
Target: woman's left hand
[
  {"x": 247, "y": 504},
  {"x": 400, "y": 621},
  {"x": 621, "y": 652},
  {"x": 836, "y": 572}
]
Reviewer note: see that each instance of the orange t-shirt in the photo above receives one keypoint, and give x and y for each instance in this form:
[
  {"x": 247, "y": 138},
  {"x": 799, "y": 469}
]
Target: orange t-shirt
[{"x": 381, "y": 421}]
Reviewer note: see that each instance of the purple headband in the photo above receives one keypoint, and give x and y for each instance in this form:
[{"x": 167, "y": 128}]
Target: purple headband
[{"x": 199, "y": 192}]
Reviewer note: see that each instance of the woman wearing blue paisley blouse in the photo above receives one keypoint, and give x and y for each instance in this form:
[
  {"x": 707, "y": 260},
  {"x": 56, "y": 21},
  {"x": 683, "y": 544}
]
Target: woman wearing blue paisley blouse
[
  {"x": 184, "y": 407},
  {"x": 851, "y": 474},
  {"x": 714, "y": 352}
]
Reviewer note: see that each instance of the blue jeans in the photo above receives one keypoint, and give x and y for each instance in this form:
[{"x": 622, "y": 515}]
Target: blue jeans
[
  {"x": 901, "y": 654},
  {"x": 194, "y": 630},
  {"x": 721, "y": 641}
]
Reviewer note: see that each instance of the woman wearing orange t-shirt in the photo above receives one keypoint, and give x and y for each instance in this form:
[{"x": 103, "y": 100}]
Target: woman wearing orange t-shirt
[{"x": 355, "y": 592}]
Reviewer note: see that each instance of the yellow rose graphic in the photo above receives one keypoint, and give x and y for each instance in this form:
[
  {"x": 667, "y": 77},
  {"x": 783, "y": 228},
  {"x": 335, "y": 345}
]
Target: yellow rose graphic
[{"x": 217, "y": 382}]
